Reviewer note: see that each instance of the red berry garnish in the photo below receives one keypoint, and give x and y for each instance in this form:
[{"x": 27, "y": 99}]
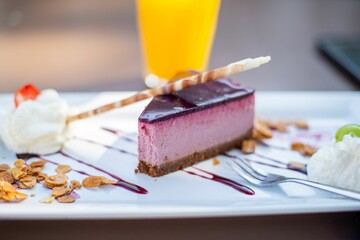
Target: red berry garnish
[{"x": 27, "y": 92}]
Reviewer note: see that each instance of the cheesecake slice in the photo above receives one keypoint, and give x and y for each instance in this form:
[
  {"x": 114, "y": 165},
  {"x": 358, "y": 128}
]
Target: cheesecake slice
[{"x": 194, "y": 124}]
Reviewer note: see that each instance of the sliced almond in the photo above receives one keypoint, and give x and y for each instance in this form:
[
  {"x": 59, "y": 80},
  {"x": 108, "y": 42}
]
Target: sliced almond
[
  {"x": 7, "y": 177},
  {"x": 92, "y": 182},
  {"x": 17, "y": 173},
  {"x": 19, "y": 163},
  {"x": 39, "y": 163},
  {"x": 57, "y": 180},
  {"x": 4, "y": 167},
  {"x": 75, "y": 184},
  {"x": 106, "y": 181},
  {"x": 297, "y": 146},
  {"x": 301, "y": 124},
  {"x": 66, "y": 199},
  {"x": 248, "y": 146},
  {"x": 9, "y": 194},
  {"x": 262, "y": 129},
  {"x": 216, "y": 161},
  {"x": 27, "y": 182},
  {"x": 63, "y": 168},
  {"x": 47, "y": 199},
  {"x": 60, "y": 191}
]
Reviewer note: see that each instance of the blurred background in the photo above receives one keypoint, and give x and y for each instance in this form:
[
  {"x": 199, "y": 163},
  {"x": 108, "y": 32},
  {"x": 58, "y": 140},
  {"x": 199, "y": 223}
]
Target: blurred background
[{"x": 88, "y": 45}]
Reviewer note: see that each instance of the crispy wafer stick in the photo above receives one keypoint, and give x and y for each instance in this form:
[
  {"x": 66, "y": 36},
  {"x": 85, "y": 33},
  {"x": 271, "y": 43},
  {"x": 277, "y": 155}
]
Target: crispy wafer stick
[{"x": 212, "y": 75}]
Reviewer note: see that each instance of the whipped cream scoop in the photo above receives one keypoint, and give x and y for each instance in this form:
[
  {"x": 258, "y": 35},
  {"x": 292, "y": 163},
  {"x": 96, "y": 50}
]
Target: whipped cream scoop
[
  {"x": 337, "y": 164},
  {"x": 36, "y": 126}
]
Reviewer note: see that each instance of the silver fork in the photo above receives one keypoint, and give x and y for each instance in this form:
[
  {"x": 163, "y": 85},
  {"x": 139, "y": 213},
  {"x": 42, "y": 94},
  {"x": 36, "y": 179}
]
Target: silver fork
[{"x": 261, "y": 178}]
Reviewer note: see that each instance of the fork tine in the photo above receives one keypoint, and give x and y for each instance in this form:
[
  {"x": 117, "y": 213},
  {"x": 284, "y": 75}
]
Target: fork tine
[
  {"x": 247, "y": 167},
  {"x": 248, "y": 170},
  {"x": 242, "y": 173},
  {"x": 262, "y": 174},
  {"x": 256, "y": 169}
]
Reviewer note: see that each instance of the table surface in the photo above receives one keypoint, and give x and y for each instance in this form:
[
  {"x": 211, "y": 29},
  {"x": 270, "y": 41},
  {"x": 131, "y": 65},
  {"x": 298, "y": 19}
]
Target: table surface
[
  {"x": 104, "y": 55},
  {"x": 310, "y": 226}
]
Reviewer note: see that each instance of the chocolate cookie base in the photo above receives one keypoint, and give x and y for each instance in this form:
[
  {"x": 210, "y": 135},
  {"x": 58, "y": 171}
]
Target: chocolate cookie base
[{"x": 172, "y": 166}]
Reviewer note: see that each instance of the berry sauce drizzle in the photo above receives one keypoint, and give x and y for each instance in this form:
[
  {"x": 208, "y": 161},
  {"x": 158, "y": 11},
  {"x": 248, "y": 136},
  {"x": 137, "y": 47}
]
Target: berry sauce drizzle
[
  {"x": 231, "y": 183},
  {"x": 119, "y": 133},
  {"x": 106, "y": 146},
  {"x": 121, "y": 182},
  {"x": 281, "y": 166}
]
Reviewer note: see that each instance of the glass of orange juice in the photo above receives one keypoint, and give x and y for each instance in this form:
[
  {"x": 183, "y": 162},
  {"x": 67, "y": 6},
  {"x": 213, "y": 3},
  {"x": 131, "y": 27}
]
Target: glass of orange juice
[{"x": 176, "y": 36}]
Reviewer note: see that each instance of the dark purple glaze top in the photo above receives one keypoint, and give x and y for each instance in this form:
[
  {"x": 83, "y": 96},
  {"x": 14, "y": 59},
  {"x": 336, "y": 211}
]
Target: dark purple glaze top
[{"x": 193, "y": 99}]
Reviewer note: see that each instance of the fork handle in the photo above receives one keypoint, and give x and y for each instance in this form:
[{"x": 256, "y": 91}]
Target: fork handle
[{"x": 340, "y": 191}]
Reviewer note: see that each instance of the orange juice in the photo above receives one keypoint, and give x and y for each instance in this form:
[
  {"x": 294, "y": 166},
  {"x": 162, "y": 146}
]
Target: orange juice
[{"x": 176, "y": 35}]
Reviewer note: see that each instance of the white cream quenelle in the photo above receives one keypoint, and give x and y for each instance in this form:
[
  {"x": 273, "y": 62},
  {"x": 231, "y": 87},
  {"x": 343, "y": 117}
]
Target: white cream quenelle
[
  {"x": 337, "y": 164},
  {"x": 36, "y": 126}
]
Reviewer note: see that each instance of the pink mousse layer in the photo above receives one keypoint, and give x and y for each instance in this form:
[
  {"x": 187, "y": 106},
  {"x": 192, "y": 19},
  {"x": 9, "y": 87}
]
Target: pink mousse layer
[{"x": 179, "y": 137}]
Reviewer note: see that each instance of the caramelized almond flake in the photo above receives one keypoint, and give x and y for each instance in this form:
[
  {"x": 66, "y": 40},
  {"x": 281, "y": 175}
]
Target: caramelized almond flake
[
  {"x": 216, "y": 161},
  {"x": 75, "y": 184},
  {"x": 304, "y": 149},
  {"x": 297, "y": 146},
  {"x": 297, "y": 164},
  {"x": 248, "y": 146},
  {"x": 92, "y": 182},
  {"x": 62, "y": 169},
  {"x": 301, "y": 124},
  {"x": 281, "y": 126},
  {"x": 309, "y": 150},
  {"x": 36, "y": 170},
  {"x": 257, "y": 135},
  {"x": 60, "y": 191},
  {"x": 47, "y": 185},
  {"x": 17, "y": 173},
  {"x": 106, "y": 181},
  {"x": 51, "y": 186},
  {"x": 19, "y": 163},
  {"x": 66, "y": 199},
  {"x": 27, "y": 182},
  {"x": 58, "y": 180},
  {"x": 14, "y": 197},
  {"x": 262, "y": 129},
  {"x": 39, "y": 163},
  {"x": 8, "y": 193},
  {"x": 47, "y": 199},
  {"x": 7, "y": 177},
  {"x": 4, "y": 167},
  {"x": 41, "y": 176},
  {"x": 22, "y": 185},
  {"x": 27, "y": 170},
  {"x": 6, "y": 187}
]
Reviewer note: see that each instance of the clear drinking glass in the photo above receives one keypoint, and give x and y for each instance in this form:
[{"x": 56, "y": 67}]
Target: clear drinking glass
[{"x": 176, "y": 36}]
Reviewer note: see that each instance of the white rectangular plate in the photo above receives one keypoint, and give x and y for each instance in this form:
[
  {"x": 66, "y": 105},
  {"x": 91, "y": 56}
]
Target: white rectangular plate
[{"x": 181, "y": 194}]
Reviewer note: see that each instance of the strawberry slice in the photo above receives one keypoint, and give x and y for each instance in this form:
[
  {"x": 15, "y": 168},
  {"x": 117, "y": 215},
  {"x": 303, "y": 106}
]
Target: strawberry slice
[{"x": 27, "y": 92}]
